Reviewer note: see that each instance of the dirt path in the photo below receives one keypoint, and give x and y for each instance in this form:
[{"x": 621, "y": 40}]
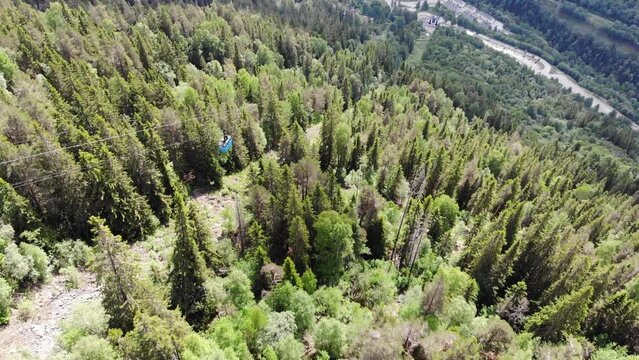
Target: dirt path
[
  {"x": 216, "y": 202},
  {"x": 52, "y": 303}
]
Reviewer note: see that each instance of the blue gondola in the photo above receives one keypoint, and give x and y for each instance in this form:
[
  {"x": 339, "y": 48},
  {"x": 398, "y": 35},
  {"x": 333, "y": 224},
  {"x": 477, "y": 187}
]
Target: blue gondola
[{"x": 225, "y": 144}]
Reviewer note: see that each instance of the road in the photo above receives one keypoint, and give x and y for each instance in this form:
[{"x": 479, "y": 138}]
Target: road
[
  {"x": 537, "y": 64},
  {"x": 542, "y": 67}
]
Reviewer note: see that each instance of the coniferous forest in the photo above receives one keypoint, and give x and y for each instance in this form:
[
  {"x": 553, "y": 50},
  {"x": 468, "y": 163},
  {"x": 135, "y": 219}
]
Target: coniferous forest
[{"x": 370, "y": 207}]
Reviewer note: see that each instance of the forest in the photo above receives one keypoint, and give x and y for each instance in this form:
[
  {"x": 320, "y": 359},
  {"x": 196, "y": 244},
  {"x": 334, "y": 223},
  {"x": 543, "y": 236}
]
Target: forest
[
  {"x": 458, "y": 208},
  {"x": 543, "y": 28}
]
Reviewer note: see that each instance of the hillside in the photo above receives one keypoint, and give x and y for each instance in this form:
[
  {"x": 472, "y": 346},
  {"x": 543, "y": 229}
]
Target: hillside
[{"x": 388, "y": 194}]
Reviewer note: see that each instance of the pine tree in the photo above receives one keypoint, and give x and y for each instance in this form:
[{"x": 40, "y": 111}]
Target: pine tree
[
  {"x": 561, "y": 318},
  {"x": 483, "y": 263},
  {"x": 290, "y": 273},
  {"x": 298, "y": 242},
  {"x": 272, "y": 123},
  {"x": 327, "y": 143},
  {"x": 309, "y": 282},
  {"x": 117, "y": 273},
  {"x": 189, "y": 270},
  {"x": 618, "y": 318},
  {"x": 319, "y": 200}
]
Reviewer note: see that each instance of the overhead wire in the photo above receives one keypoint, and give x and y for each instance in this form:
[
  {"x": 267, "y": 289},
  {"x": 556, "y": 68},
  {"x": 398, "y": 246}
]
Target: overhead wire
[
  {"x": 100, "y": 140},
  {"x": 66, "y": 172}
]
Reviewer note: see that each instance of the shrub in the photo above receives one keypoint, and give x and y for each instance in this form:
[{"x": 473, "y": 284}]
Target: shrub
[
  {"x": 5, "y": 301},
  {"x": 289, "y": 349},
  {"x": 279, "y": 326},
  {"x": 328, "y": 301},
  {"x": 196, "y": 347},
  {"x": 372, "y": 286},
  {"x": 7, "y": 66},
  {"x": 238, "y": 288},
  {"x": 304, "y": 309},
  {"x": 72, "y": 278},
  {"x": 93, "y": 348},
  {"x": 86, "y": 318},
  {"x": 330, "y": 336},
  {"x": 495, "y": 337},
  {"x": 71, "y": 253},
  {"x": 280, "y": 298},
  {"x": 39, "y": 261},
  {"x": 309, "y": 282},
  {"x": 459, "y": 312},
  {"x": 26, "y": 310},
  {"x": 15, "y": 266}
]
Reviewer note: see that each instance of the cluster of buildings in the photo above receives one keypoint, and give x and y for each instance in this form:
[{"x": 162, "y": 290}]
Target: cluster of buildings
[{"x": 460, "y": 8}]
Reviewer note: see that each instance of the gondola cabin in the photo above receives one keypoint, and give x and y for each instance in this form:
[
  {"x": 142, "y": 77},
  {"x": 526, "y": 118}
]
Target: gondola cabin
[{"x": 225, "y": 144}]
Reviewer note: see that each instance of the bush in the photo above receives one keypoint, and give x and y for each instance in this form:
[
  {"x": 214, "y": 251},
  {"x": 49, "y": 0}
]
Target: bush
[
  {"x": 71, "y": 253},
  {"x": 289, "y": 349},
  {"x": 86, "y": 318},
  {"x": 304, "y": 309},
  {"x": 279, "y": 326},
  {"x": 72, "y": 278},
  {"x": 15, "y": 266},
  {"x": 372, "y": 286},
  {"x": 330, "y": 336},
  {"x": 280, "y": 298},
  {"x": 238, "y": 288},
  {"x": 26, "y": 310},
  {"x": 7, "y": 67},
  {"x": 39, "y": 262},
  {"x": 93, "y": 348},
  {"x": 459, "y": 312},
  {"x": 328, "y": 301},
  {"x": 5, "y": 301},
  {"x": 196, "y": 347}
]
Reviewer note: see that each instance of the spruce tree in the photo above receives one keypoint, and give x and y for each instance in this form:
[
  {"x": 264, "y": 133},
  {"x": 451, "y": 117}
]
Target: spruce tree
[
  {"x": 298, "y": 242},
  {"x": 290, "y": 273},
  {"x": 188, "y": 273},
  {"x": 563, "y": 317},
  {"x": 117, "y": 273}
]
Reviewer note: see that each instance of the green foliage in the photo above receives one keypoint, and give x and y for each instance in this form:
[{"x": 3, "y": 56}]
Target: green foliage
[
  {"x": 117, "y": 273},
  {"x": 298, "y": 242},
  {"x": 38, "y": 260},
  {"x": 238, "y": 287},
  {"x": 154, "y": 337},
  {"x": 289, "y": 349},
  {"x": 72, "y": 278},
  {"x": 330, "y": 336},
  {"x": 86, "y": 319},
  {"x": 443, "y": 212},
  {"x": 380, "y": 177},
  {"x": 309, "y": 282},
  {"x": 6, "y": 295},
  {"x": 71, "y": 253},
  {"x": 26, "y": 310},
  {"x": 565, "y": 316},
  {"x": 290, "y": 273},
  {"x": 333, "y": 244},
  {"x": 280, "y": 325},
  {"x": 7, "y": 67},
  {"x": 329, "y": 301},
  {"x": 188, "y": 274},
  {"x": 371, "y": 285},
  {"x": 303, "y": 307},
  {"x": 92, "y": 347}
]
